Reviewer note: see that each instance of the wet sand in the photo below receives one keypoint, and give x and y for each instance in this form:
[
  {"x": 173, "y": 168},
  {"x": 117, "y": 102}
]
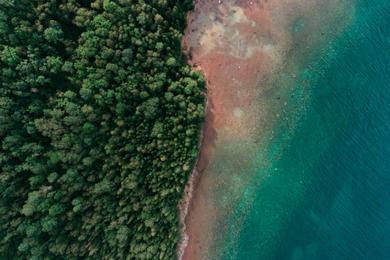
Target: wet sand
[{"x": 238, "y": 45}]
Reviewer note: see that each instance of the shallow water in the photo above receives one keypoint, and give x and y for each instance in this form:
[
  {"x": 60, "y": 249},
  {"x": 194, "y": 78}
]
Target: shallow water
[
  {"x": 327, "y": 192},
  {"x": 310, "y": 180}
]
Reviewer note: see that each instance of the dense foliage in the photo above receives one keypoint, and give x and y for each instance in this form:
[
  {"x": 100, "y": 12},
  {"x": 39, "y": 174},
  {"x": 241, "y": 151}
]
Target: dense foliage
[{"x": 99, "y": 128}]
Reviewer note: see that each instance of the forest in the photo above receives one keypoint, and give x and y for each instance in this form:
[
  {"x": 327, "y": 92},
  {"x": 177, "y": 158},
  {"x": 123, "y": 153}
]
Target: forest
[{"x": 100, "y": 120}]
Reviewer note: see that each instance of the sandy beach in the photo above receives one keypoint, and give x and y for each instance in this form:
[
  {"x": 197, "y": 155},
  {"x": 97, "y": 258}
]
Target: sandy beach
[{"x": 232, "y": 69}]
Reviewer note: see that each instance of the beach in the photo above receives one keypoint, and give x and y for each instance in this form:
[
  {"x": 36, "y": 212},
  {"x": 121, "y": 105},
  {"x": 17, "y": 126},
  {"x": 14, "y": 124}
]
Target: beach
[{"x": 232, "y": 72}]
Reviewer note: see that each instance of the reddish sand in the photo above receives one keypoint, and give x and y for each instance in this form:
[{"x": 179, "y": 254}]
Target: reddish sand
[
  {"x": 231, "y": 66},
  {"x": 233, "y": 69}
]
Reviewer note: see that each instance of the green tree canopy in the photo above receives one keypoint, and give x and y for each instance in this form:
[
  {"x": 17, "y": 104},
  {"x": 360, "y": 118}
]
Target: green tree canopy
[{"x": 99, "y": 128}]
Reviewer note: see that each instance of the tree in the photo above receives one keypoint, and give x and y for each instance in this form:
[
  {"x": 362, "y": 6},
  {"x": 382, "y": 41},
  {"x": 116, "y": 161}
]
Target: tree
[{"x": 99, "y": 127}]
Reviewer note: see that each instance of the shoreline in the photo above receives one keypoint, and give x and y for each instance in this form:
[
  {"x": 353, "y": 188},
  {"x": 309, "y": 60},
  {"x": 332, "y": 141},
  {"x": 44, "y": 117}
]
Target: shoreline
[
  {"x": 235, "y": 45},
  {"x": 185, "y": 202},
  {"x": 204, "y": 135},
  {"x": 228, "y": 113},
  {"x": 193, "y": 180}
]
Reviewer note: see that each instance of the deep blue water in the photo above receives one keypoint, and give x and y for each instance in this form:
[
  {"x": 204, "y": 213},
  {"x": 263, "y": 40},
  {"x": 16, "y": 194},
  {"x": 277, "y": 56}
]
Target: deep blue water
[{"x": 330, "y": 197}]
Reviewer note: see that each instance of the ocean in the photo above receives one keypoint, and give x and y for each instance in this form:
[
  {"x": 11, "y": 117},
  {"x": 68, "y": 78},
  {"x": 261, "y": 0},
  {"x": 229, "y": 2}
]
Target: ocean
[{"x": 327, "y": 191}]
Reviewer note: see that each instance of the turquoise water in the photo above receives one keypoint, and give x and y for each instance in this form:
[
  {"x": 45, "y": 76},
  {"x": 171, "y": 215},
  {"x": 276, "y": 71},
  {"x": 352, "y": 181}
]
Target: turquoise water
[{"x": 328, "y": 191}]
